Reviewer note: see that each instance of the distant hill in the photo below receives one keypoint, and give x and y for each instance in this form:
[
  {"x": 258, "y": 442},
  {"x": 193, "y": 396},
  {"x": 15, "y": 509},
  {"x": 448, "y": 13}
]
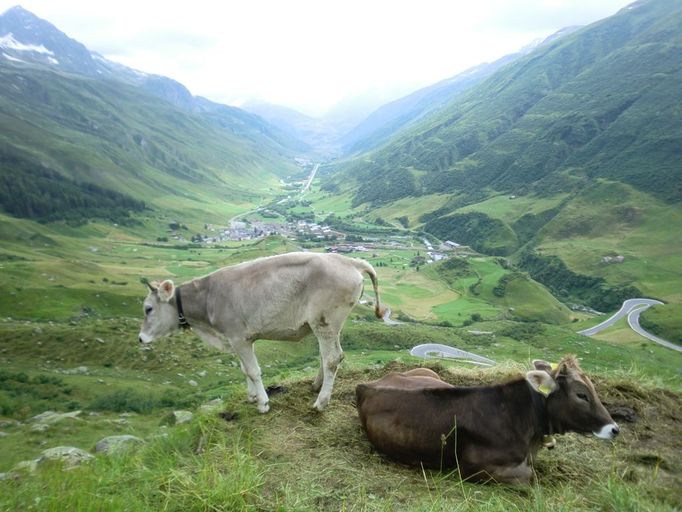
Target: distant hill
[
  {"x": 75, "y": 125},
  {"x": 590, "y": 119},
  {"x": 387, "y": 120},
  {"x": 324, "y": 133},
  {"x": 316, "y": 133}
]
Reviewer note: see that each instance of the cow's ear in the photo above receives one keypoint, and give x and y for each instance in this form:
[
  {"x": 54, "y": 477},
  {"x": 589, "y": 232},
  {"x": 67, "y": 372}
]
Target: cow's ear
[
  {"x": 541, "y": 365},
  {"x": 541, "y": 381},
  {"x": 166, "y": 290}
]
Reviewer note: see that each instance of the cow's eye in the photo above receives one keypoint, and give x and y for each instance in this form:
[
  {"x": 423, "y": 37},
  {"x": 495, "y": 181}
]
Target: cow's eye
[
  {"x": 147, "y": 310},
  {"x": 583, "y": 396}
]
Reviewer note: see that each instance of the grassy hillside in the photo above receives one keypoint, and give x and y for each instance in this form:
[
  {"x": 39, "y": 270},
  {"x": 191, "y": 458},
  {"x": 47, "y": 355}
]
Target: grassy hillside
[
  {"x": 557, "y": 117},
  {"x": 566, "y": 152},
  {"x": 79, "y": 138},
  {"x": 246, "y": 461},
  {"x": 664, "y": 321}
]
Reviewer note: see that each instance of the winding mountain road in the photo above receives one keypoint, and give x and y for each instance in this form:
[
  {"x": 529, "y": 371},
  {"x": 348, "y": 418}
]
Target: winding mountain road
[
  {"x": 632, "y": 308},
  {"x": 432, "y": 350}
]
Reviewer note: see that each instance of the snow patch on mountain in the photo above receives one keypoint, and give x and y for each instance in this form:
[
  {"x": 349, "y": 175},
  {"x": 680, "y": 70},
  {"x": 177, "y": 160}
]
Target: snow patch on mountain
[
  {"x": 8, "y": 41},
  {"x": 13, "y": 59}
]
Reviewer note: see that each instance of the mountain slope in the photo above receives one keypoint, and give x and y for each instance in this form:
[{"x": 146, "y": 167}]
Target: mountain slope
[
  {"x": 396, "y": 115},
  {"x": 82, "y": 125},
  {"x": 585, "y": 106},
  {"x": 594, "y": 111},
  {"x": 314, "y": 132}
]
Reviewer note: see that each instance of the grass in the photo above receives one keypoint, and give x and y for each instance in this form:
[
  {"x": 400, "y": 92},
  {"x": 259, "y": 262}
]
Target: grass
[
  {"x": 248, "y": 463},
  {"x": 532, "y": 302},
  {"x": 511, "y": 208},
  {"x": 410, "y": 208},
  {"x": 626, "y": 222},
  {"x": 665, "y": 321}
]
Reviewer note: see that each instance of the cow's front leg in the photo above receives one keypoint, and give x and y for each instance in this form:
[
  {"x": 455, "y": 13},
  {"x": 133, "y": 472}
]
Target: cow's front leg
[
  {"x": 249, "y": 364},
  {"x": 251, "y": 390},
  {"x": 512, "y": 474}
]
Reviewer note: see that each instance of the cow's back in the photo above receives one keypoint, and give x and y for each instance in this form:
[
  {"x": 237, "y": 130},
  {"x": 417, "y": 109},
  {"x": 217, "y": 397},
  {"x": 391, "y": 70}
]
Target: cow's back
[
  {"x": 280, "y": 296},
  {"x": 413, "y": 420}
]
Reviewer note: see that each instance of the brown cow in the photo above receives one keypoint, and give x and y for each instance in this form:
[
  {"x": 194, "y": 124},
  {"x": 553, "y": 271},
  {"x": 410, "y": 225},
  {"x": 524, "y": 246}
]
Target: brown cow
[{"x": 487, "y": 432}]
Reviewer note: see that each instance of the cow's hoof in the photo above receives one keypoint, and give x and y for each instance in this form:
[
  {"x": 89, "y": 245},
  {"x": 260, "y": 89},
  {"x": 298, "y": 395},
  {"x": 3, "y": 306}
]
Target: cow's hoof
[
  {"x": 320, "y": 406},
  {"x": 263, "y": 408}
]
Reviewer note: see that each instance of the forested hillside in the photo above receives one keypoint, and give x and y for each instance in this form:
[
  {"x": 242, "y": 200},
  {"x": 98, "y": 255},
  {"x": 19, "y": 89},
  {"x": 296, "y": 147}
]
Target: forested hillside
[{"x": 597, "y": 103}]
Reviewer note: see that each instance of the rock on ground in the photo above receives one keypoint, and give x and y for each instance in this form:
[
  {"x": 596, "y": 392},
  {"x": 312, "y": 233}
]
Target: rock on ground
[
  {"x": 69, "y": 455},
  {"x": 50, "y": 417},
  {"x": 114, "y": 444},
  {"x": 214, "y": 404},
  {"x": 178, "y": 417}
]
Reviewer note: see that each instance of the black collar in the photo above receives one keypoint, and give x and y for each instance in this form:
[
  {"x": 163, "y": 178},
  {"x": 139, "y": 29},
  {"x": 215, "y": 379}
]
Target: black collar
[{"x": 182, "y": 321}]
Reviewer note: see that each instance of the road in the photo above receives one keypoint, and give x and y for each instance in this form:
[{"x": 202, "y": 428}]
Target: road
[
  {"x": 310, "y": 179},
  {"x": 632, "y": 308},
  {"x": 430, "y": 350}
]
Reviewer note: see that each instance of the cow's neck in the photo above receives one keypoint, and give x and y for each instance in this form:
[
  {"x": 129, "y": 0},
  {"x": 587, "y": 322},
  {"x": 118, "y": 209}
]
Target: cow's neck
[
  {"x": 182, "y": 320},
  {"x": 539, "y": 402},
  {"x": 193, "y": 303}
]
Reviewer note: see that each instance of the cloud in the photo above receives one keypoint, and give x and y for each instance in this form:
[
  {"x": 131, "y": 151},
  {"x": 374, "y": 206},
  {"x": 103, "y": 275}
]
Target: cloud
[{"x": 542, "y": 15}]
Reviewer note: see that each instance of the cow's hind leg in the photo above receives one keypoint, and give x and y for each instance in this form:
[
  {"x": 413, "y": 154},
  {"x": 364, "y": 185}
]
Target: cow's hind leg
[
  {"x": 249, "y": 364},
  {"x": 317, "y": 383},
  {"x": 331, "y": 356}
]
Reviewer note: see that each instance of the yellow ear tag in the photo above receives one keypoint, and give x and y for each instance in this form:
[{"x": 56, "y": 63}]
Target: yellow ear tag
[
  {"x": 545, "y": 390},
  {"x": 554, "y": 366}
]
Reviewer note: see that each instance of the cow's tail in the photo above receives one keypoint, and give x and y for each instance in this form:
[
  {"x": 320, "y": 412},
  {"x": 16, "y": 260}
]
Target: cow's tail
[{"x": 363, "y": 266}]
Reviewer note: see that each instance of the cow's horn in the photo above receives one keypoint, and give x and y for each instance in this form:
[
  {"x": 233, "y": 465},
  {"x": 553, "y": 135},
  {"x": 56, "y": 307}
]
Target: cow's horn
[{"x": 146, "y": 282}]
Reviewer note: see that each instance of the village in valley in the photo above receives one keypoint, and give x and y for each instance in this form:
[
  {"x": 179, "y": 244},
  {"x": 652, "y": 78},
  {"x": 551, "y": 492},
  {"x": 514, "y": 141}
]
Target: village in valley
[{"x": 287, "y": 217}]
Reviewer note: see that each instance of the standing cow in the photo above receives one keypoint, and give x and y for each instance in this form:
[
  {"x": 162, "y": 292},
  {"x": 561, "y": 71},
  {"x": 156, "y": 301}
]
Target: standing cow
[
  {"x": 488, "y": 432},
  {"x": 281, "y": 297}
]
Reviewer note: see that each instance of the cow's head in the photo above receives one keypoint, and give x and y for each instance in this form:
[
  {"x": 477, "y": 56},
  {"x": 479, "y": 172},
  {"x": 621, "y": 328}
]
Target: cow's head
[
  {"x": 572, "y": 402},
  {"x": 160, "y": 315}
]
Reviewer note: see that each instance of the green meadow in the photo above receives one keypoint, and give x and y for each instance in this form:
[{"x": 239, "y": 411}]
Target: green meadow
[{"x": 71, "y": 306}]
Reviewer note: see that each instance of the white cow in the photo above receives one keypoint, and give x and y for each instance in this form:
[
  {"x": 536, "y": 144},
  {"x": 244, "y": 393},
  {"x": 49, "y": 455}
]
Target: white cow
[{"x": 281, "y": 297}]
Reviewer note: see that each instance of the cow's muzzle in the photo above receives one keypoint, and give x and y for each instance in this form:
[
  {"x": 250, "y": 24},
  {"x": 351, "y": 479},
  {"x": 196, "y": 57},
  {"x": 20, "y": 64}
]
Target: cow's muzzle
[
  {"x": 608, "y": 431},
  {"x": 144, "y": 338}
]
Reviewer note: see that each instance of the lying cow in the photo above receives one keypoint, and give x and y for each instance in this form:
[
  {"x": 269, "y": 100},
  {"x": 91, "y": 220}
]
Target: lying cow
[
  {"x": 488, "y": 432},
  {"x": 281, "y": 297}
]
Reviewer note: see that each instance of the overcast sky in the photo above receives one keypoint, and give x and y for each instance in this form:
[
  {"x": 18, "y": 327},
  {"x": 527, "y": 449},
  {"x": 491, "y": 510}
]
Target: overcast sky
[{"x": 310, "y": 54}]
